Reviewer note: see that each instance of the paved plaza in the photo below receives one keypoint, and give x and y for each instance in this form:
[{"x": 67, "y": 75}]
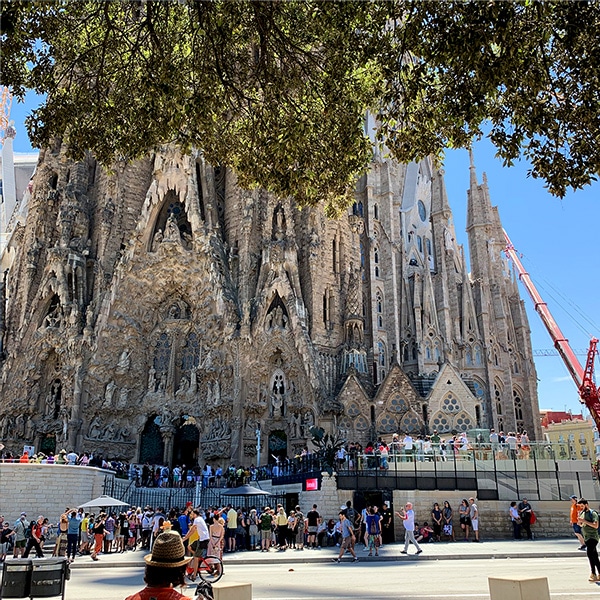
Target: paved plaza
[{"x": 445, "y": 570}]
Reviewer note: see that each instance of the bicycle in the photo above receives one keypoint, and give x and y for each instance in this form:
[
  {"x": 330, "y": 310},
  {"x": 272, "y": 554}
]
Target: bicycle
[{"x": 210, "y": 569}]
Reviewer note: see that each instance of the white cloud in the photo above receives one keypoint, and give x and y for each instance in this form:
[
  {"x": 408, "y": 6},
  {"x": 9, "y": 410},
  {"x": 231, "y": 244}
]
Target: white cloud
[{"x": 560, "y": 379}]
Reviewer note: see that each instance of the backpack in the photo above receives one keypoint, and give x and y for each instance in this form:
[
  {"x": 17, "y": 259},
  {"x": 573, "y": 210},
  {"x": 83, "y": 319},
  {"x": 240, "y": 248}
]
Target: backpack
[{"x": 29, "y": 530}]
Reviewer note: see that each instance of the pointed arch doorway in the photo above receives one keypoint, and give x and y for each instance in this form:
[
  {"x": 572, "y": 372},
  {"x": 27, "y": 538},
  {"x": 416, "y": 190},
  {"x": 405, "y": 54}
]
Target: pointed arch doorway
[
  {"x": 186, "y": 443},
  {"x": 152, "y": 445}
]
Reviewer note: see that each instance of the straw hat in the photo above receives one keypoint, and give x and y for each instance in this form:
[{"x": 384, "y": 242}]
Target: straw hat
[{"x": 168, "y": 551}]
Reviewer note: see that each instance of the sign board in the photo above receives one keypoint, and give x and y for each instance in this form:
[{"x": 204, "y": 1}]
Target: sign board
[{"x": 311, "y": 484}]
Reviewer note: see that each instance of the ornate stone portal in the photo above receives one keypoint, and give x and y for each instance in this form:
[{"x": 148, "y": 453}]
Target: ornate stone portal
[{"x": 160, "y": 313}]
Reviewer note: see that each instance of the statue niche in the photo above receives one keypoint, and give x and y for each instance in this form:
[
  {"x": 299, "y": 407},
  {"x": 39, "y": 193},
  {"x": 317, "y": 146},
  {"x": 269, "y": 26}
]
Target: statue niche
[
  {"x": 278, "y": 389},
  {"x": 172, "y": 225},
  {"x": 277, "y": 315}
]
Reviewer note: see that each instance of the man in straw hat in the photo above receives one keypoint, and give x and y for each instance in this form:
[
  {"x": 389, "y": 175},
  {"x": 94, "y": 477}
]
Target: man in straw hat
[{"x": 165, "y": 569}]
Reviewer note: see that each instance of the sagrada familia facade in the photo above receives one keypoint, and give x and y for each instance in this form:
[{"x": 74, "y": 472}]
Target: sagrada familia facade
[{"x": 160, "y": 313}]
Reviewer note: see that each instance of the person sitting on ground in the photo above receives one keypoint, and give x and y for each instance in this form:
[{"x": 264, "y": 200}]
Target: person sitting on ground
[
  {"x": 165, "y": 569},
  {"x": 426, "y": 533}
]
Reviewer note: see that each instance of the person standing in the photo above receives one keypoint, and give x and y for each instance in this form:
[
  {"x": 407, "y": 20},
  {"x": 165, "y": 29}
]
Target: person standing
[
  {"x": 281, "y": 521},
  {"x": 474, "y": 516},
  {"x": 300, "y": 526},
  {"x": 313, "y": 518},
  {"x": 72, "y": 535},
  {"x": 347, "y": 544},
  {"x": 387, "y": 530},
  {"x": 98, "y": 531},
  {"x": 35, "y": 539},
  {"x": 574, "y": 518},
  {"x": 516, "y": 520},
  {"x": 447, "y": 514},
  {"x": 465, "y": 520},
  {"x": 437, "y": 522},
  {"x": 408, "y": 520},
  {"x": 20, "y": 538},
  {"x": 231, "y": 528},
  {"x": 588, "y": 521},
  {"x": 372, "y": 523},
  {"x": 525, "y": 512}
]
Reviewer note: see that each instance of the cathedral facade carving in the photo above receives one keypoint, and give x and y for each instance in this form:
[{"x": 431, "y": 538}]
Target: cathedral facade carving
[{"x": 161, "y": 313}]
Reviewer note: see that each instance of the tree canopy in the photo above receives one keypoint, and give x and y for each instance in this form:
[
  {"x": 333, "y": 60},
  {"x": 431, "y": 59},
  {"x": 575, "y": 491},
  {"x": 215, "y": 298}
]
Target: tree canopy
[{"x": 278, "y": 90}]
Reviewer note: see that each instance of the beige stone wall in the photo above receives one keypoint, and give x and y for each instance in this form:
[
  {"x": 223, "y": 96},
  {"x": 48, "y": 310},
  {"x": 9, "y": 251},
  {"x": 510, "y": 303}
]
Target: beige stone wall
[
  {"x": 494, "y": 523},
  {"x": 46, "y": 489}
]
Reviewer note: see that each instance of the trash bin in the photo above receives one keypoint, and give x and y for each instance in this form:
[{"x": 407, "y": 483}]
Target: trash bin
[
  {"x": 48, "y": 577},
  {"x": 16, "y": 578}
]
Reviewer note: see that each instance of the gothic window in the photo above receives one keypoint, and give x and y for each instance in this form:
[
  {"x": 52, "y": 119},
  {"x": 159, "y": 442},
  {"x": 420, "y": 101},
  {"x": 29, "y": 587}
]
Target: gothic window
[
  {"x": 518, "y": 410},
  {"x": 376, "y": 211},
  {"x": 463, "y": 422},
  {"x": 437, "y": 353},
  {"x": 190, "y": 356},
  {"x": 478, "y": 415},
  {"x": 398, "y": 405},
  {"x": 376, "y": 261},
  {"x": 442, "y": 423},
  {"x": 353, "y": 410},
  {"x": 450, "y": 403},
  {"x": 468, "y": 357},
  {"x": 379, "y": 302},
  {"x": 498, "y": 399},
  {"x": 335, "y": 253},
  {"x": 361, "y": 424},
  {"x": 428, "y": 246},
  {"x": 479, "y": 391},
  {"x": 162, "y": 353},
  {"x": 387, "y": 424},
  {"x": 427, "y": 352},
  {"x": 405, "y": 352},
  {"x": 381, "y": 361},
  {"x": 477, "y": 354},
  {"x": 362, "y": 256},
  {"x": 410, "y": 423},
  {"x": 414, "y": 351},
  {"x": 420, "y": 244}
]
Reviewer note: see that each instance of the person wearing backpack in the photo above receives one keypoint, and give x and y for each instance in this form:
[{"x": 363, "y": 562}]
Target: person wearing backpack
[
  {"x": 588, "y": 521},
  {"x": 35, "y": 539},
  {"x": 20, "y": 530}
]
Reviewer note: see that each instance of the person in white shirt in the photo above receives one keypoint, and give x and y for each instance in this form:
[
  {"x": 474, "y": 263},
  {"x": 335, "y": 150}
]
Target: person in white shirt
[
  {"x": 199, "y": 526},
  {"x": 408, "y": 447},
  {"x": 408, "y": 520}
]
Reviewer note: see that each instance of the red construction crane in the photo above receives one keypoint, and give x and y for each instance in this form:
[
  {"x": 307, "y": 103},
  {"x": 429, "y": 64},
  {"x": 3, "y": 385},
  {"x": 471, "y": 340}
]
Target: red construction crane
[{"x": 583, "y": 377}]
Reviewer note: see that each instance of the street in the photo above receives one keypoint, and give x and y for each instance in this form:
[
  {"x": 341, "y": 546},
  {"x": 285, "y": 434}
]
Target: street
[{"x": 567, "y": 578}]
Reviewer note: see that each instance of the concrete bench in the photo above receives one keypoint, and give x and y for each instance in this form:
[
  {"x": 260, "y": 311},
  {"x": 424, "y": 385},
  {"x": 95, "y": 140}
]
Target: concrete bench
[
  {"x": 230, "y": 590},
  {"x": 519, "y": 588}
]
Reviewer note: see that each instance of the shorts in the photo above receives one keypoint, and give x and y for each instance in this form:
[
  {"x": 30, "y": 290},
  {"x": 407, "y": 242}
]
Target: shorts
[
  {"x": 346, "y": 543},
  {"x": 230, "y": 532},
  {"x": 475, "y": 524},
  {"x": 110, "y": 536},
  {"x": 312, "y": 529},
  {"x": 20, "y": 543},
  {"x": 576, "y": 528},
  {"x": 465, "y": 520},
  {"x": 265, "y": 534},
  {"x": 4, "y": 548},
  {"x": 85, "y": 538},
  {"x": 200, "y": 549}
]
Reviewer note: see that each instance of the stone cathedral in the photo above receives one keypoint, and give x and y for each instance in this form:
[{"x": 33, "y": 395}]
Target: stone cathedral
[{"x": 158, "y": 312}]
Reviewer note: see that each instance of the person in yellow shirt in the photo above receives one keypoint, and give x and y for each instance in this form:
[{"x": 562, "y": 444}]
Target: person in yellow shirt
[{"x": 281, "y": 521}]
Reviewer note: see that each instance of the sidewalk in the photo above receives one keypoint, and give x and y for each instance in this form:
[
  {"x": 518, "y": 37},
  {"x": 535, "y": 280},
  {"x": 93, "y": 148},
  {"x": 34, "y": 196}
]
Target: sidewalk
[{"x": 541, "y": 548}]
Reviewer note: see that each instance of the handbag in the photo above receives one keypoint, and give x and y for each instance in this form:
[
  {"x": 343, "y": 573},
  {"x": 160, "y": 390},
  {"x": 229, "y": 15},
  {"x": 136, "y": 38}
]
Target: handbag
[
  {"x": 447, "y": 529},
  {"x": 518, "y": 520}
]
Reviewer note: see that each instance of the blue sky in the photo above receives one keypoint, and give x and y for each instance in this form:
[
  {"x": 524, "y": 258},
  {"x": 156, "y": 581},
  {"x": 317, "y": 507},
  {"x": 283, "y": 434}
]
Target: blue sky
[{"x": 559, "y": 241}]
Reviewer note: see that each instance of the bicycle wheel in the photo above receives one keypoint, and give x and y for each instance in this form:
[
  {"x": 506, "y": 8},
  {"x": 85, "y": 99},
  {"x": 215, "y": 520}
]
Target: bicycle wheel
[{"x": 211, "y": 569}]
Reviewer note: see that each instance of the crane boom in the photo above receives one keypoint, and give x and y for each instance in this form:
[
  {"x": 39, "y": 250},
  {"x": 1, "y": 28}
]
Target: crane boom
[{"x": 583, "y": 377}]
